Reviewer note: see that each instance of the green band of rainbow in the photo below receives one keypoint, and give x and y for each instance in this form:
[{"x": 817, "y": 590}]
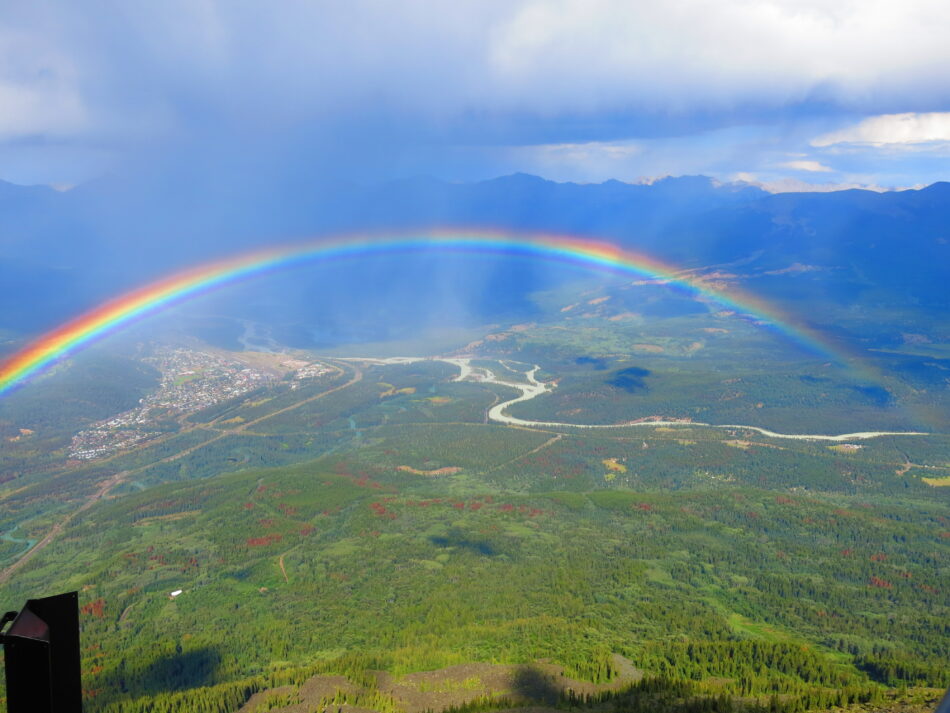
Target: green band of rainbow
[{"x": 121, "y": 311}]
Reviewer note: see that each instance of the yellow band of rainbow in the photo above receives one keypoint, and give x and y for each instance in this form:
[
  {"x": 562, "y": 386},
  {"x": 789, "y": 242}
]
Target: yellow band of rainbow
[{"x": 123, "y": 310}]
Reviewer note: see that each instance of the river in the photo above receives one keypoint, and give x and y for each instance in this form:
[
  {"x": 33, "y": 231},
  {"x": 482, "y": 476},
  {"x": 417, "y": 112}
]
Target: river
[{"x": 534, "y": 388}]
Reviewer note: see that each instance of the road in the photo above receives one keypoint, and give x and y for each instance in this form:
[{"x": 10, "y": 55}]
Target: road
[
  {"x": 104, "y": 487},
  {"x": 107, "y": 485},
  {"x": 530, "y": 390}
]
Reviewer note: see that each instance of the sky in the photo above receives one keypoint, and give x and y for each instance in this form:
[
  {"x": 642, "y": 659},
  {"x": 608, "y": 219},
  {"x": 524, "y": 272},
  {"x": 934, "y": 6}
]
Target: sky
[{"x": 789, "y": 94}]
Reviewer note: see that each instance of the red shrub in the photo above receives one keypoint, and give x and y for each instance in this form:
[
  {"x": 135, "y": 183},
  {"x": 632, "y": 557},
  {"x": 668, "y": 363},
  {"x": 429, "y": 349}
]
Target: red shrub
[{"x": 96, "y": 608}]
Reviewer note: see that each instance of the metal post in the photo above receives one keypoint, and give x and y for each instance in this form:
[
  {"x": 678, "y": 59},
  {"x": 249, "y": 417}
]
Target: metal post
[{"x": 41, "y": 649}]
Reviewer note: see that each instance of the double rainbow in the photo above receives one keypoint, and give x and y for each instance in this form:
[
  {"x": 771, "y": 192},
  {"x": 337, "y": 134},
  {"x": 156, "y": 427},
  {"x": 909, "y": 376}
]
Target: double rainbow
[{"x": 150, "y": 299}]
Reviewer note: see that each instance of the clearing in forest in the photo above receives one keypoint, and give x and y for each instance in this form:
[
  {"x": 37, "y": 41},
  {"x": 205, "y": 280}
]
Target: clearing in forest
[{"x": 450, "y": 470}]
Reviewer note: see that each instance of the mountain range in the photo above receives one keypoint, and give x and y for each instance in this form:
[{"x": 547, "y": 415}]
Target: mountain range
[{"x": 63, "y": 251}]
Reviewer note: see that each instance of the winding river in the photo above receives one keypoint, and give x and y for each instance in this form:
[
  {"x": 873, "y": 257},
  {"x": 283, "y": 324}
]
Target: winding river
[{"x": 534, "y": 388}]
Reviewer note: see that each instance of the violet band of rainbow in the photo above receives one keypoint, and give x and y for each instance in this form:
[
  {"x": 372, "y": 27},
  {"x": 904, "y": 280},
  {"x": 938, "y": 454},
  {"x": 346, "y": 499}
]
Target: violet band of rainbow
[{"x": 121, "y": 311}]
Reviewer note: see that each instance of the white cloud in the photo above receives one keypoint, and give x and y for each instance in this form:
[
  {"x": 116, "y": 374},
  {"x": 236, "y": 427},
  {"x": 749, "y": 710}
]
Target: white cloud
[
  {"x": 384, "y": 78},
  {"x": 681, "y": 54},
  {"x": 589, "y": 151},
  {"x": 805, "y": 165},
  {"x": 435, "y": 60},
  {"x": 892, "y": 129},
  {"x": 795, "y": 185},
  {"x": 592, "y": 161},
  {"x": 39, "y": 88},
  {"x": 35, "y": 111}
]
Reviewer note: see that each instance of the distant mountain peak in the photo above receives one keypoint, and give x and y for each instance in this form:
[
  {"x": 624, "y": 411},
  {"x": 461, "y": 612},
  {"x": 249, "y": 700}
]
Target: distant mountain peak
[
  {"x": 520, "y": 178},
  {"x": 940, "y": 187}
]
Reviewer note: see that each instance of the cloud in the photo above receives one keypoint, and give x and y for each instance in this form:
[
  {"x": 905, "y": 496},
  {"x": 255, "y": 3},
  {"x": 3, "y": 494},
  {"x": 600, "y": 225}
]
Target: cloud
[
  {"x": 590, "y": 150},
  {"x": 684, "y": 54},
  {"x": 805, "y": 165},
  {"x": 431, "y": 62},
  {"x": 365, "y": 81},
  {"x": 892, "y": 129},
  {"x": 592, "y": 161},
  {"x": 39, "y": 89},
  {"x": 795, "y": 185}
]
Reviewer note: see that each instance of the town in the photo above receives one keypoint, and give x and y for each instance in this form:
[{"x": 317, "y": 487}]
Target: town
[{"x": 191, "y": 380}]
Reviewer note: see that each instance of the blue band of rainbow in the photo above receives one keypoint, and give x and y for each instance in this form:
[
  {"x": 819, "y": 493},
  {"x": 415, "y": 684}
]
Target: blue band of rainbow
[{"x": 150, "y": 299}]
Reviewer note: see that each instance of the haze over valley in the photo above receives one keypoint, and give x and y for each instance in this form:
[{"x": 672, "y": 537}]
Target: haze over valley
[{"x": 528, "y": 356}]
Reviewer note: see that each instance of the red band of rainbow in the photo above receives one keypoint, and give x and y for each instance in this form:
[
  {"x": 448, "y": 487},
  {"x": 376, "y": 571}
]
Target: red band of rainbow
[{"x": 121, "y": 311}]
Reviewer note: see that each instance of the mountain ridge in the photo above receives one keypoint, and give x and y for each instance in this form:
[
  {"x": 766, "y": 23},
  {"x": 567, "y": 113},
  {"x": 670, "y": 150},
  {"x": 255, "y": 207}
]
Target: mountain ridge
[{"x": 73, "y": 249}]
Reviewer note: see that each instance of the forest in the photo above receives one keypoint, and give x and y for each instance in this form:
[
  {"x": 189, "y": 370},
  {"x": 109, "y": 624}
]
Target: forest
[
  {"x": 335, "y": 539},
  {"x": 740, "y": 593}
]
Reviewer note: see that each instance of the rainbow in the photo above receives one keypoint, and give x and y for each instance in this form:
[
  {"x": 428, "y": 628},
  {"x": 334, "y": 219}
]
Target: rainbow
[{"x": 121, "y": 311}]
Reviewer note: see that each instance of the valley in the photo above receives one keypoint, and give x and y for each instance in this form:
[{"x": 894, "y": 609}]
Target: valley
[
  {"x": 550, "y": 515},
  {"x": 475, "y": 357},
  {"x": 384, "y": 485}
]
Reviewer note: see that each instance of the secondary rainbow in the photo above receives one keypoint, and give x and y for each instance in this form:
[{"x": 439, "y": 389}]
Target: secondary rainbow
[{"x": 152, "y": 298}]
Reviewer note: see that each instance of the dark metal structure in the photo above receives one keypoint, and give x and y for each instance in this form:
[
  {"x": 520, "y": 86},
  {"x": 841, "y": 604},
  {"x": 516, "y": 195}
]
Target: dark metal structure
[{"x": 41, "y": 648}]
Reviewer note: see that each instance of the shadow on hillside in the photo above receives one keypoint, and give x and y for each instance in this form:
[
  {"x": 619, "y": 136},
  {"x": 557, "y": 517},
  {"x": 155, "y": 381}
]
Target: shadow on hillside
[
  {"x": 180, "y": 671},
  {"x": 653, "y": 695},
  {"x": 632, "y": 379},
  {"x": 459, "y": 540},
  {"x": 528, "y": 682}
]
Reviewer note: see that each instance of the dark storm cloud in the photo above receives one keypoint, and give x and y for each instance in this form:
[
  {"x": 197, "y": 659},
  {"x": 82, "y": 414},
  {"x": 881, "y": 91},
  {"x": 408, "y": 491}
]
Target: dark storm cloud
[{"x": 393, "y": 88}]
